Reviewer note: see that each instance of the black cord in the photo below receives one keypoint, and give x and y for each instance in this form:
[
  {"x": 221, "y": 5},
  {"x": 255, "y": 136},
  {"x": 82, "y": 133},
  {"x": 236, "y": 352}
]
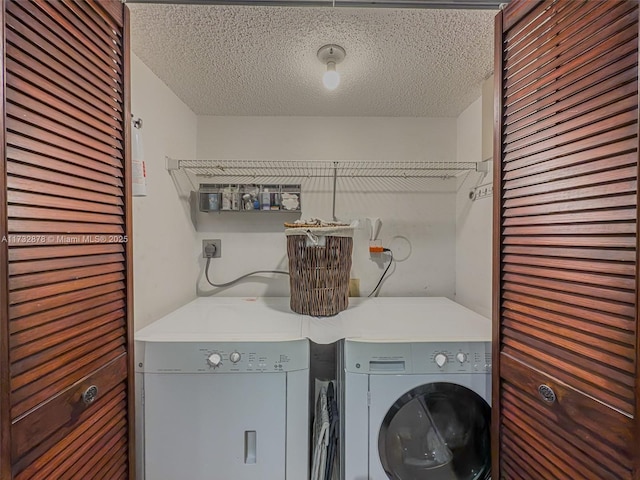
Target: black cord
[
  {"x": 206, "y": 274},
  {"x": 383, "y": 273}
]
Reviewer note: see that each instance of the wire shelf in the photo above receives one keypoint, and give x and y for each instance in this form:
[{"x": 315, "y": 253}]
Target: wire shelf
[{"x": 321, "y": 168}]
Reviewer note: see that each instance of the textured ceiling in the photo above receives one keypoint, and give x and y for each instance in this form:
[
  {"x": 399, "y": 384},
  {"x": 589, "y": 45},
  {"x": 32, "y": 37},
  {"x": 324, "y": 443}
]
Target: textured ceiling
[{"x": 255, "y": 60}]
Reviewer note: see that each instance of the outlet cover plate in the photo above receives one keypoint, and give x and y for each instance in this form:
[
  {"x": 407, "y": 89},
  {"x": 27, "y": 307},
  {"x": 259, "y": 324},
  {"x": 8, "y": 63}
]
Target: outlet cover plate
[{"x": 217, "y": 242}]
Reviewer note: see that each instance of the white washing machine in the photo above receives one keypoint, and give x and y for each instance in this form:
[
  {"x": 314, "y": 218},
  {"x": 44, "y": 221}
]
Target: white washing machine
[
  {"x": 415, "y": 391},
  {"x": 223, "y": 387}
]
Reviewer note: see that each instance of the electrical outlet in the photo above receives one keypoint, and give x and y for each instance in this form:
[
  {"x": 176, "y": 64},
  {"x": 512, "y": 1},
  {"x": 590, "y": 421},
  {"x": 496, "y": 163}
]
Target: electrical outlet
[{"x": 217, "y": 245}]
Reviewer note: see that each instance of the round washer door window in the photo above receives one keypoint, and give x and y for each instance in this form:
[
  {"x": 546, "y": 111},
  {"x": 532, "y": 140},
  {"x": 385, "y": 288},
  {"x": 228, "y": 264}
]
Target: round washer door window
[{"x": 438, "y": 431}]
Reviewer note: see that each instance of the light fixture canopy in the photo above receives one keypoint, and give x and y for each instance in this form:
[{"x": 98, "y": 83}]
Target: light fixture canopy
[{"x": 331, "y": 55}]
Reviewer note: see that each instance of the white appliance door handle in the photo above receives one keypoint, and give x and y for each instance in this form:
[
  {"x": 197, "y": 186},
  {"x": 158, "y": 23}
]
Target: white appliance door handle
[{"x": 250, "y": 446}]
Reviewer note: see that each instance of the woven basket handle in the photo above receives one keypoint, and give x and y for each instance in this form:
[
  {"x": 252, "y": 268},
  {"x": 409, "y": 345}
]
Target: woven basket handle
[{"x": 312, "y": 237}]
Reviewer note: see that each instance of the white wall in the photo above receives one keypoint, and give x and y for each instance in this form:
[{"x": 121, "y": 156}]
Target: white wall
[
  {"x": 418, "y": 216},
  {"x": 473, "y": 218},
  {"x": 440, "y": 238},
  {"x": 164, "y": 248}
]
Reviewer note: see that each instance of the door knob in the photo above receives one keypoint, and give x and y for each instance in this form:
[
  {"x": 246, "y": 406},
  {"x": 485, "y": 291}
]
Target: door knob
[{"x": 90, "y": 394}]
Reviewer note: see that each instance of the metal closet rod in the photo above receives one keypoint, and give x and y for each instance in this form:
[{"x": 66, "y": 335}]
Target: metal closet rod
[{"x": 442, "y": 4}]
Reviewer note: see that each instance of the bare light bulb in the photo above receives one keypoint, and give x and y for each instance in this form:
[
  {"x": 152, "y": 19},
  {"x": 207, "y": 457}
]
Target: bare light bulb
[{"x": 331, "y": 78}]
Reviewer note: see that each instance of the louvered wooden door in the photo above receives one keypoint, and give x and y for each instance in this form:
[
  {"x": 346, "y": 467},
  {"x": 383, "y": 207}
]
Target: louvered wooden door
[
  {"x": 66, "y": 284},
  {"x": 565, "y": 277}
]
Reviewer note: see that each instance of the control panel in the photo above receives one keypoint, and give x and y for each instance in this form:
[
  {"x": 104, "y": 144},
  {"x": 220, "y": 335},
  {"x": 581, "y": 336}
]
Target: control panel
[
  {"x": 225, "y": 357},
  {"x": 414, "y": 358}
]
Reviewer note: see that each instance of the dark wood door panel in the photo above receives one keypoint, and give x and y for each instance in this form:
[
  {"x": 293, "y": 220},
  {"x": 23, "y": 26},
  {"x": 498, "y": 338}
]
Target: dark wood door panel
[
  {"x": 43, "y": 18},
  {"x": 586, "y": 21},
  {"x": 91, "y": 147},
  {"x": 50, "y": 95},
  {"x": 102, "y": 176},
  {"x": 606, "y": 172},
  {"x": 40, "y": 362},
  {"x": 589, "y": 97},
  {"x": 76, "y": 21},
  {"x": 36, "y": 266},
  {"x": 514, "y": 31},
  {"x": 66, "y": 274},
  {"x": 60, "y": 228},
  {"x": 21, "y": 48},
  {"x": 620, "y": 100},
  {"x": 42, "y": 173},
  {"x": 43, "y": 132},
  {"x": 574, "y": 420},
  {"x": 66, "y": 194},
  {"x": 575, "y": 149},
  {"x": 29, "y": 103},
  {"x": 44, "y": 214},
  {"x": 36, "y": 387},
  {"x": 565, "y": 241},
  {"x": 89, "y": 291},
  {"x": 524, "y": 45},
  {"x": 592, "y": 378},
  {"x": 570, "y": 46},
  {"x": 563, "y": 100},
  {"x": 585, "y": 229},
  {"x": 603, "y": 65},
  {"x": 567, "y": 133},
  {"x": 99, "y": 30},
  {"x": 59, "y": 415},
  {"x": 576, "y": 253},
  {"x": 79, "y": 101},
  {"x": 537, "y": 414},
  {"x": 619, "y": 202},
  {"x": 613, "y": 363},
  {"x": 56, "y": 48},
  {"x": 64, "y": 203},
  {"x": 38, "y": 299},
  {"x": 611, "y": 308},
  {"x": 601, "y": 266},
  {"x": 23, "y": 254},
  {"x": 55, "y": 190},
  {"x": 78, "y": 37},
  {"x": 72, "y": 331},
  {"x": 68, "y": 431},
  {"x": 570, "y": 218},
  {"x": 611, "y": 280},
  {"x": 616, "y": 346},
  {"x": 573, "y": 163}
]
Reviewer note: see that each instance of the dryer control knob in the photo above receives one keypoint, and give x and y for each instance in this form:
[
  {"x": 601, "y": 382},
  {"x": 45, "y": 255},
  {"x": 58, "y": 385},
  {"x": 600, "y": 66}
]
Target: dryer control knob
[
  {"x": 235, "y": 357},
  {"x": 461, "y": 357},
  {"x": 214, "y": 360},
  {"x": 440, "y": 359}
]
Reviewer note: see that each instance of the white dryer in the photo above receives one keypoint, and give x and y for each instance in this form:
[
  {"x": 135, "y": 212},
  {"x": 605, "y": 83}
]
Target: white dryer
[
  {"x": 415, "y": 391},
  {"x": 224, "y": 388}
]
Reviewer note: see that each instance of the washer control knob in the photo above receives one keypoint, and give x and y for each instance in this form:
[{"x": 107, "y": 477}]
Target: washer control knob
[
  {"x": 461, "y": 357},
  {"x": 214, "y": 360},
  {"x": 235, "y": 357},
  {"x": 440, "y": 359}
]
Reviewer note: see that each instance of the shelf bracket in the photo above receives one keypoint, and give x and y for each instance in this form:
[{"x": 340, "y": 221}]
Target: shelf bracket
[
  {"x": 483, "y": 166},
  {"x": 481, "y": 191},
  {"x": 172, "y": 164}
]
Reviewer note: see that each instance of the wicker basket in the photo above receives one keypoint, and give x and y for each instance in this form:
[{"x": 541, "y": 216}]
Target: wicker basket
[{"x": 319, "y": 270}]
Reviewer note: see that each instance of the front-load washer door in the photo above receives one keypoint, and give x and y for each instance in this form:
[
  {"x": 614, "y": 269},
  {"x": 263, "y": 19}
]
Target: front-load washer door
[{"x": 436, "y": 431}]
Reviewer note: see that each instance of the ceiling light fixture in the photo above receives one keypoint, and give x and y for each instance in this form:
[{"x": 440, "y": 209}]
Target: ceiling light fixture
[{"x": 331, "y": 55}]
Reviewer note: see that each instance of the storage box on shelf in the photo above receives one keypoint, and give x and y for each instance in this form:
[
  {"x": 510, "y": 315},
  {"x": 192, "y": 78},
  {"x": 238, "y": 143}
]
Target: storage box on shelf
[{"x": 249, "y": 198}]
